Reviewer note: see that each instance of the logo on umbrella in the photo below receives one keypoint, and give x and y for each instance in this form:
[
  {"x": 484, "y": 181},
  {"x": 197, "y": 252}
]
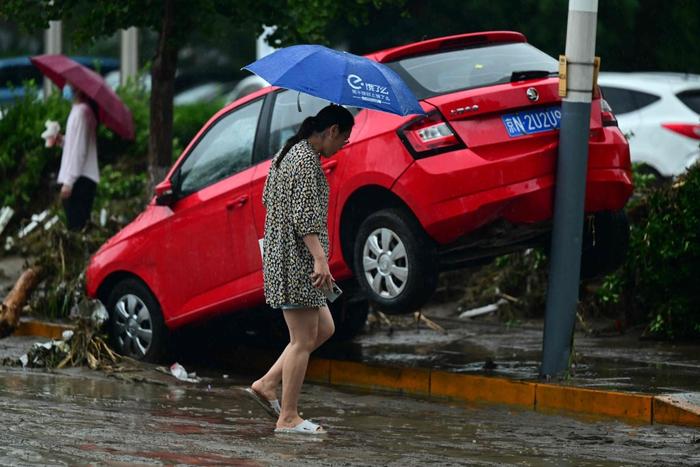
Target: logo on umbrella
[{"x": 355, "y": 81}]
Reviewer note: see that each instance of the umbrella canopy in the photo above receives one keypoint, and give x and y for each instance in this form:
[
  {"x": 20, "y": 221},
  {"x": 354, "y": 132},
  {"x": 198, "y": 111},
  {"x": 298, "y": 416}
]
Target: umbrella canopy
[
  {"x": 113, "y": 113},
  {"x": 339, "y": 77}
]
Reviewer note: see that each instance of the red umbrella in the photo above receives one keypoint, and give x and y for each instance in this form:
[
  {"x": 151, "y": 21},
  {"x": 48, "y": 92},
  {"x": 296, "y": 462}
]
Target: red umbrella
[{"x": 113, "y": 113}]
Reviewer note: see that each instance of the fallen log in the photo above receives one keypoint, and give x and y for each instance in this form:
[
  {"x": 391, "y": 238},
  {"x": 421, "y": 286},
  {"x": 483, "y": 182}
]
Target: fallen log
[{"x": 11, "y": 307}]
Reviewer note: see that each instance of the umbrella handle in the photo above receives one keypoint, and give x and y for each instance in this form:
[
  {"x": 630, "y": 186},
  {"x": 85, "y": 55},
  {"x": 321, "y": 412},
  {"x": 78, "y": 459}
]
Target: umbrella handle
[{"x": 299, "y": 102}]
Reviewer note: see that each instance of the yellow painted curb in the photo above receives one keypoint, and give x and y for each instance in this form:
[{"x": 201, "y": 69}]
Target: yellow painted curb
[
  {"x": 319, "y": 370},
  {"x": 405, "y": 380},
  {"x": 482, "y": 389},
  {"x": 629, "y": 406},
  {"x": 672, "y": 410},
  {"x": 41, "y": 329}
]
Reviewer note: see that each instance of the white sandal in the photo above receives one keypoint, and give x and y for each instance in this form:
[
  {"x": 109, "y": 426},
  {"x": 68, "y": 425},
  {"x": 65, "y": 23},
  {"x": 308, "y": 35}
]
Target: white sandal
[
  {"x": 306, "y": 427},
  {"x": 271, "y": 406}
]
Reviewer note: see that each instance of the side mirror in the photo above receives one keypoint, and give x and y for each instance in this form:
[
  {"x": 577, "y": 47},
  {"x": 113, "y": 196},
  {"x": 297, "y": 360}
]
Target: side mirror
[{"x": 164, "y": 193}]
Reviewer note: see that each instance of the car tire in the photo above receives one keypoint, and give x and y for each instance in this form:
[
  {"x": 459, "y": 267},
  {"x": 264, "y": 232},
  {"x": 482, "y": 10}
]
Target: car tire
[
  {"x": 136, "y": 325},
  {"x": 605, "y": 242},
  {"x": 395, "y": 261}
]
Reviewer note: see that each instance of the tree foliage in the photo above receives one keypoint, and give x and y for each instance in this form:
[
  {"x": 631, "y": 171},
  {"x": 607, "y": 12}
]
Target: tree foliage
[
  {"x": 632, "y": 35},
  {"x": 175, "y": 21}
]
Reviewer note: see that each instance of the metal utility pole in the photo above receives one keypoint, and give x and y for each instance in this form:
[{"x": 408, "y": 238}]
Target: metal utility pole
[
  {"x": 53, "y": 44},
  {"x": 129, "y": 57},
  {"x": 576, "y": 71}
]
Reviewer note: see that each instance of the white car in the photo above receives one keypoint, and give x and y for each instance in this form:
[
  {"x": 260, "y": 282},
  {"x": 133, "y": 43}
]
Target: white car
[{"x": 660, "y": 113}]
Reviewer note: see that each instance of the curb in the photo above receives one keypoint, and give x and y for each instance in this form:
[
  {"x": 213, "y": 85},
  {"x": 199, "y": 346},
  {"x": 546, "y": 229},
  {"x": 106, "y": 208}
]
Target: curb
[
  {"x": 667, "y": 409},
  {"x": 32, "y": 327}
]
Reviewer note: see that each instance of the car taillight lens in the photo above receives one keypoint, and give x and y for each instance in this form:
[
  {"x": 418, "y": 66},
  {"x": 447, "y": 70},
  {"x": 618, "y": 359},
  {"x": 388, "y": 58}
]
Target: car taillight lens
[
  {"x": 606, "y": 114},
  {"x": 686, "y": 129},
  {"x": 429, "y": 135}
]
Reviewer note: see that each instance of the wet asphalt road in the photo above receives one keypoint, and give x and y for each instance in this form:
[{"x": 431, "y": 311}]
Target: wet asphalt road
[{"x": 78, "y": 416}]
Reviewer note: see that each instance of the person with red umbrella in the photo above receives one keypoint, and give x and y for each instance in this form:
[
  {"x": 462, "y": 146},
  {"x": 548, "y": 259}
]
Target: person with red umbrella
[
  {"x": 79, "y": 173},
  {"x": 94, "y": 102}
]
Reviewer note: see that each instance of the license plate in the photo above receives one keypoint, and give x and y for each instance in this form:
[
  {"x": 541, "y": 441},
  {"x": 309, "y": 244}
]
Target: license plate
[{"x": 532, "y": 121}]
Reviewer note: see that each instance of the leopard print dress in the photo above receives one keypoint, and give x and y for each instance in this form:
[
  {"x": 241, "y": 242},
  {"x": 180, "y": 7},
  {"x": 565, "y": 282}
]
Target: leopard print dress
[{"x": 296, "y": 199}]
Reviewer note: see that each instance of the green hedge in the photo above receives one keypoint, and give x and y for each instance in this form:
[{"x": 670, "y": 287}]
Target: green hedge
[
  {"x": 23, "y": 157},
  {"x": 25, "y": 164},
  {"x": 661, "y": 277}
]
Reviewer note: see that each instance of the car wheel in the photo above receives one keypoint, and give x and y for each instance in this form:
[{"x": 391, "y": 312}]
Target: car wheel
[
  {"x": 395, "y": 261},
  {"x": 605, "y": 241},
  {"x": 136, "y": 325}
]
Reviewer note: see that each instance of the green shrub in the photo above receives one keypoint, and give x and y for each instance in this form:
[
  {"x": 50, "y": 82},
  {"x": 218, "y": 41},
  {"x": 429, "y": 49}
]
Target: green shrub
[
  {"x": 660, "y": 277},
  {"x": 24, "y": 161},
  {"x": 111, "y": 147},
  {"x": 116, "y": 184}
]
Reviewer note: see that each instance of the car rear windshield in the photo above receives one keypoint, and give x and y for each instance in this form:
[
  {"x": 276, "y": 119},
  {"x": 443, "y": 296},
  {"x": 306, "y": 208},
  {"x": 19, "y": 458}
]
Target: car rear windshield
[
  {"x": 691, "y": 99},
  {"x": 455, "y": 70}
]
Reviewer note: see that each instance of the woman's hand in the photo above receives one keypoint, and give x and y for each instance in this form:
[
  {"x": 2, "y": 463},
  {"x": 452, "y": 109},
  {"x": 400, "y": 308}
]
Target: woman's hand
[
  {"x": 66, "y": 191},
  {"x": 321, "y": 277}
]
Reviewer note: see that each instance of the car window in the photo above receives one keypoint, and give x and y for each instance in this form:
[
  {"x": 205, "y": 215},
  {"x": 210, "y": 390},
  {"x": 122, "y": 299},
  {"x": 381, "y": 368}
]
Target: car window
[
  {"x": 691, "y": 99},
  {"x": 226, "y": 148},
  {"x": 286, "y": 118},
  {"x": 16, "y": 75},
  {"x": 623, "y": 101},
  {"x": 454, "y": 70}
]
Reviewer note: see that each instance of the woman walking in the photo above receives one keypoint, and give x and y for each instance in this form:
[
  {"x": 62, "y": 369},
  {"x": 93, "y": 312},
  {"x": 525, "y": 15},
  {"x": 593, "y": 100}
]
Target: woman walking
[
  {"x": 79, "y": 173},
  {"x": 295, "y": 266}
]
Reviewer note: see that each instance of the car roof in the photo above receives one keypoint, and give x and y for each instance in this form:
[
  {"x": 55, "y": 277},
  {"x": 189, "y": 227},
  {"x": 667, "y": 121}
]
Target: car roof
[
  {"x": 653, "y": 81},
  {"x": 446, "y": 43},
  {"x": 410, "y": 50}
]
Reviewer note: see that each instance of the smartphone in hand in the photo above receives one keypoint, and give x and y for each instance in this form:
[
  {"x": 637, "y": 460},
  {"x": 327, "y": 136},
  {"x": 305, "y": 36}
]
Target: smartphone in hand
[{"x": 333, "y": 293}]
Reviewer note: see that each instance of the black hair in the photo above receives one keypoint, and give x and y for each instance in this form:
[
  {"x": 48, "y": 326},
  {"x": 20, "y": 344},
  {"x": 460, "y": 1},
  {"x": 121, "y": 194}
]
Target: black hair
[
  {"x": 90, "y": 103},
  {"x": 94, "y": 107},
  {"x": 328, "y": 116}
]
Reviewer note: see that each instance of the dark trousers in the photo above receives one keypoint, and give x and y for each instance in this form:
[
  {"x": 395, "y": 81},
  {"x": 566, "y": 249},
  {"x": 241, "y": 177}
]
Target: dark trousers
[{"x": 79, "y": 205}]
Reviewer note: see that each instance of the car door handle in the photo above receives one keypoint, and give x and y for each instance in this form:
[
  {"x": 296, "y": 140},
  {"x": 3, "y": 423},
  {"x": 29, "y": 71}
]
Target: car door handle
[
  {"x": 237, "y": 203},
  {"x": 329, "y": 167}
]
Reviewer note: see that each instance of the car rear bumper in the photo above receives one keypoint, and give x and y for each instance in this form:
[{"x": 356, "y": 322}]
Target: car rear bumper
[{"x": 453, "y": 194}]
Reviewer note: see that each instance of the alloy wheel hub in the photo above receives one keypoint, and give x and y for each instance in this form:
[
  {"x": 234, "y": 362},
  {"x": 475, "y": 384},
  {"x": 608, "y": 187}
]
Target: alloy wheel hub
[
  {"x": 132, "y": 326},
  {"x": 385, "y": 263}
]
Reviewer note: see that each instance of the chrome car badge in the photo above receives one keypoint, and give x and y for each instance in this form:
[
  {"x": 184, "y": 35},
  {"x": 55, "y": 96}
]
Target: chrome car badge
[{"x": 532, "y": 94}]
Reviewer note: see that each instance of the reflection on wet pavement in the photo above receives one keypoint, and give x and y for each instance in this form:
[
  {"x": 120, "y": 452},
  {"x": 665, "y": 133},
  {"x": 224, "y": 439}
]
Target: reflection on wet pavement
[{"x": 79, "y": 416}]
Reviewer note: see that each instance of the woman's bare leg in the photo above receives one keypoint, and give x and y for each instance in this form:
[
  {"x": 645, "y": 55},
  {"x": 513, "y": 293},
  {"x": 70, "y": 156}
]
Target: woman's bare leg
[
  {"x": 303, "y": 331},
  {"x": 267, "y": 385}
]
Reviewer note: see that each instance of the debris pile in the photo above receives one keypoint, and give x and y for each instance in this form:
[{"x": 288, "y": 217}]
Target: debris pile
[{"x": 82, "y": 346}]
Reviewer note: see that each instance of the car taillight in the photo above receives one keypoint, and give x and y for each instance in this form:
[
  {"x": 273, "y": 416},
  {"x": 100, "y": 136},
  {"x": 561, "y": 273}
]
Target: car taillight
[
  {"x": 429, "y": 135},
  {"x": 606, "y": 114},
  {"x": 690, "y": 130}
]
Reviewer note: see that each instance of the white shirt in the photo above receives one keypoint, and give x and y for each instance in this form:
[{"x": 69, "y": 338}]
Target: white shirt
[{"x": 79, "y": 157}]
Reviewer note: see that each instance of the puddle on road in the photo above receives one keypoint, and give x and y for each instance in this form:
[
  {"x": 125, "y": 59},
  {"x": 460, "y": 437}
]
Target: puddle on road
[{"x": 83, "y": 417}]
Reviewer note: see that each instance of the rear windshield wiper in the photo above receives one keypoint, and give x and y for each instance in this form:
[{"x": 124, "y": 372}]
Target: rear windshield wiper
[{"x": 531, "y": 74}]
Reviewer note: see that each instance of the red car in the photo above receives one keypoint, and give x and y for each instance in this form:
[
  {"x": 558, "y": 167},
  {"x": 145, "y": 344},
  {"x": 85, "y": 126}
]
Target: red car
[{"x": 410, "y": 196}]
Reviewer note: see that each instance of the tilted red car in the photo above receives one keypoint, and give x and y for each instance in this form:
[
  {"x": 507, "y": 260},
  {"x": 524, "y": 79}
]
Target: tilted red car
[{"x": 410, "y": 196}]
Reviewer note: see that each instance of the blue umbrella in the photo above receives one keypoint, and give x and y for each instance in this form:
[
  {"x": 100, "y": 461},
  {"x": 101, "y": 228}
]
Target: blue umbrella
[{"x": 338, "y": 77}]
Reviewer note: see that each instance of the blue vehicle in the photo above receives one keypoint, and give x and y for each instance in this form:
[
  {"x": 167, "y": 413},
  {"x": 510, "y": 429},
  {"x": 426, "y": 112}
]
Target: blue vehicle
[{"x": 17, "y": 70}]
